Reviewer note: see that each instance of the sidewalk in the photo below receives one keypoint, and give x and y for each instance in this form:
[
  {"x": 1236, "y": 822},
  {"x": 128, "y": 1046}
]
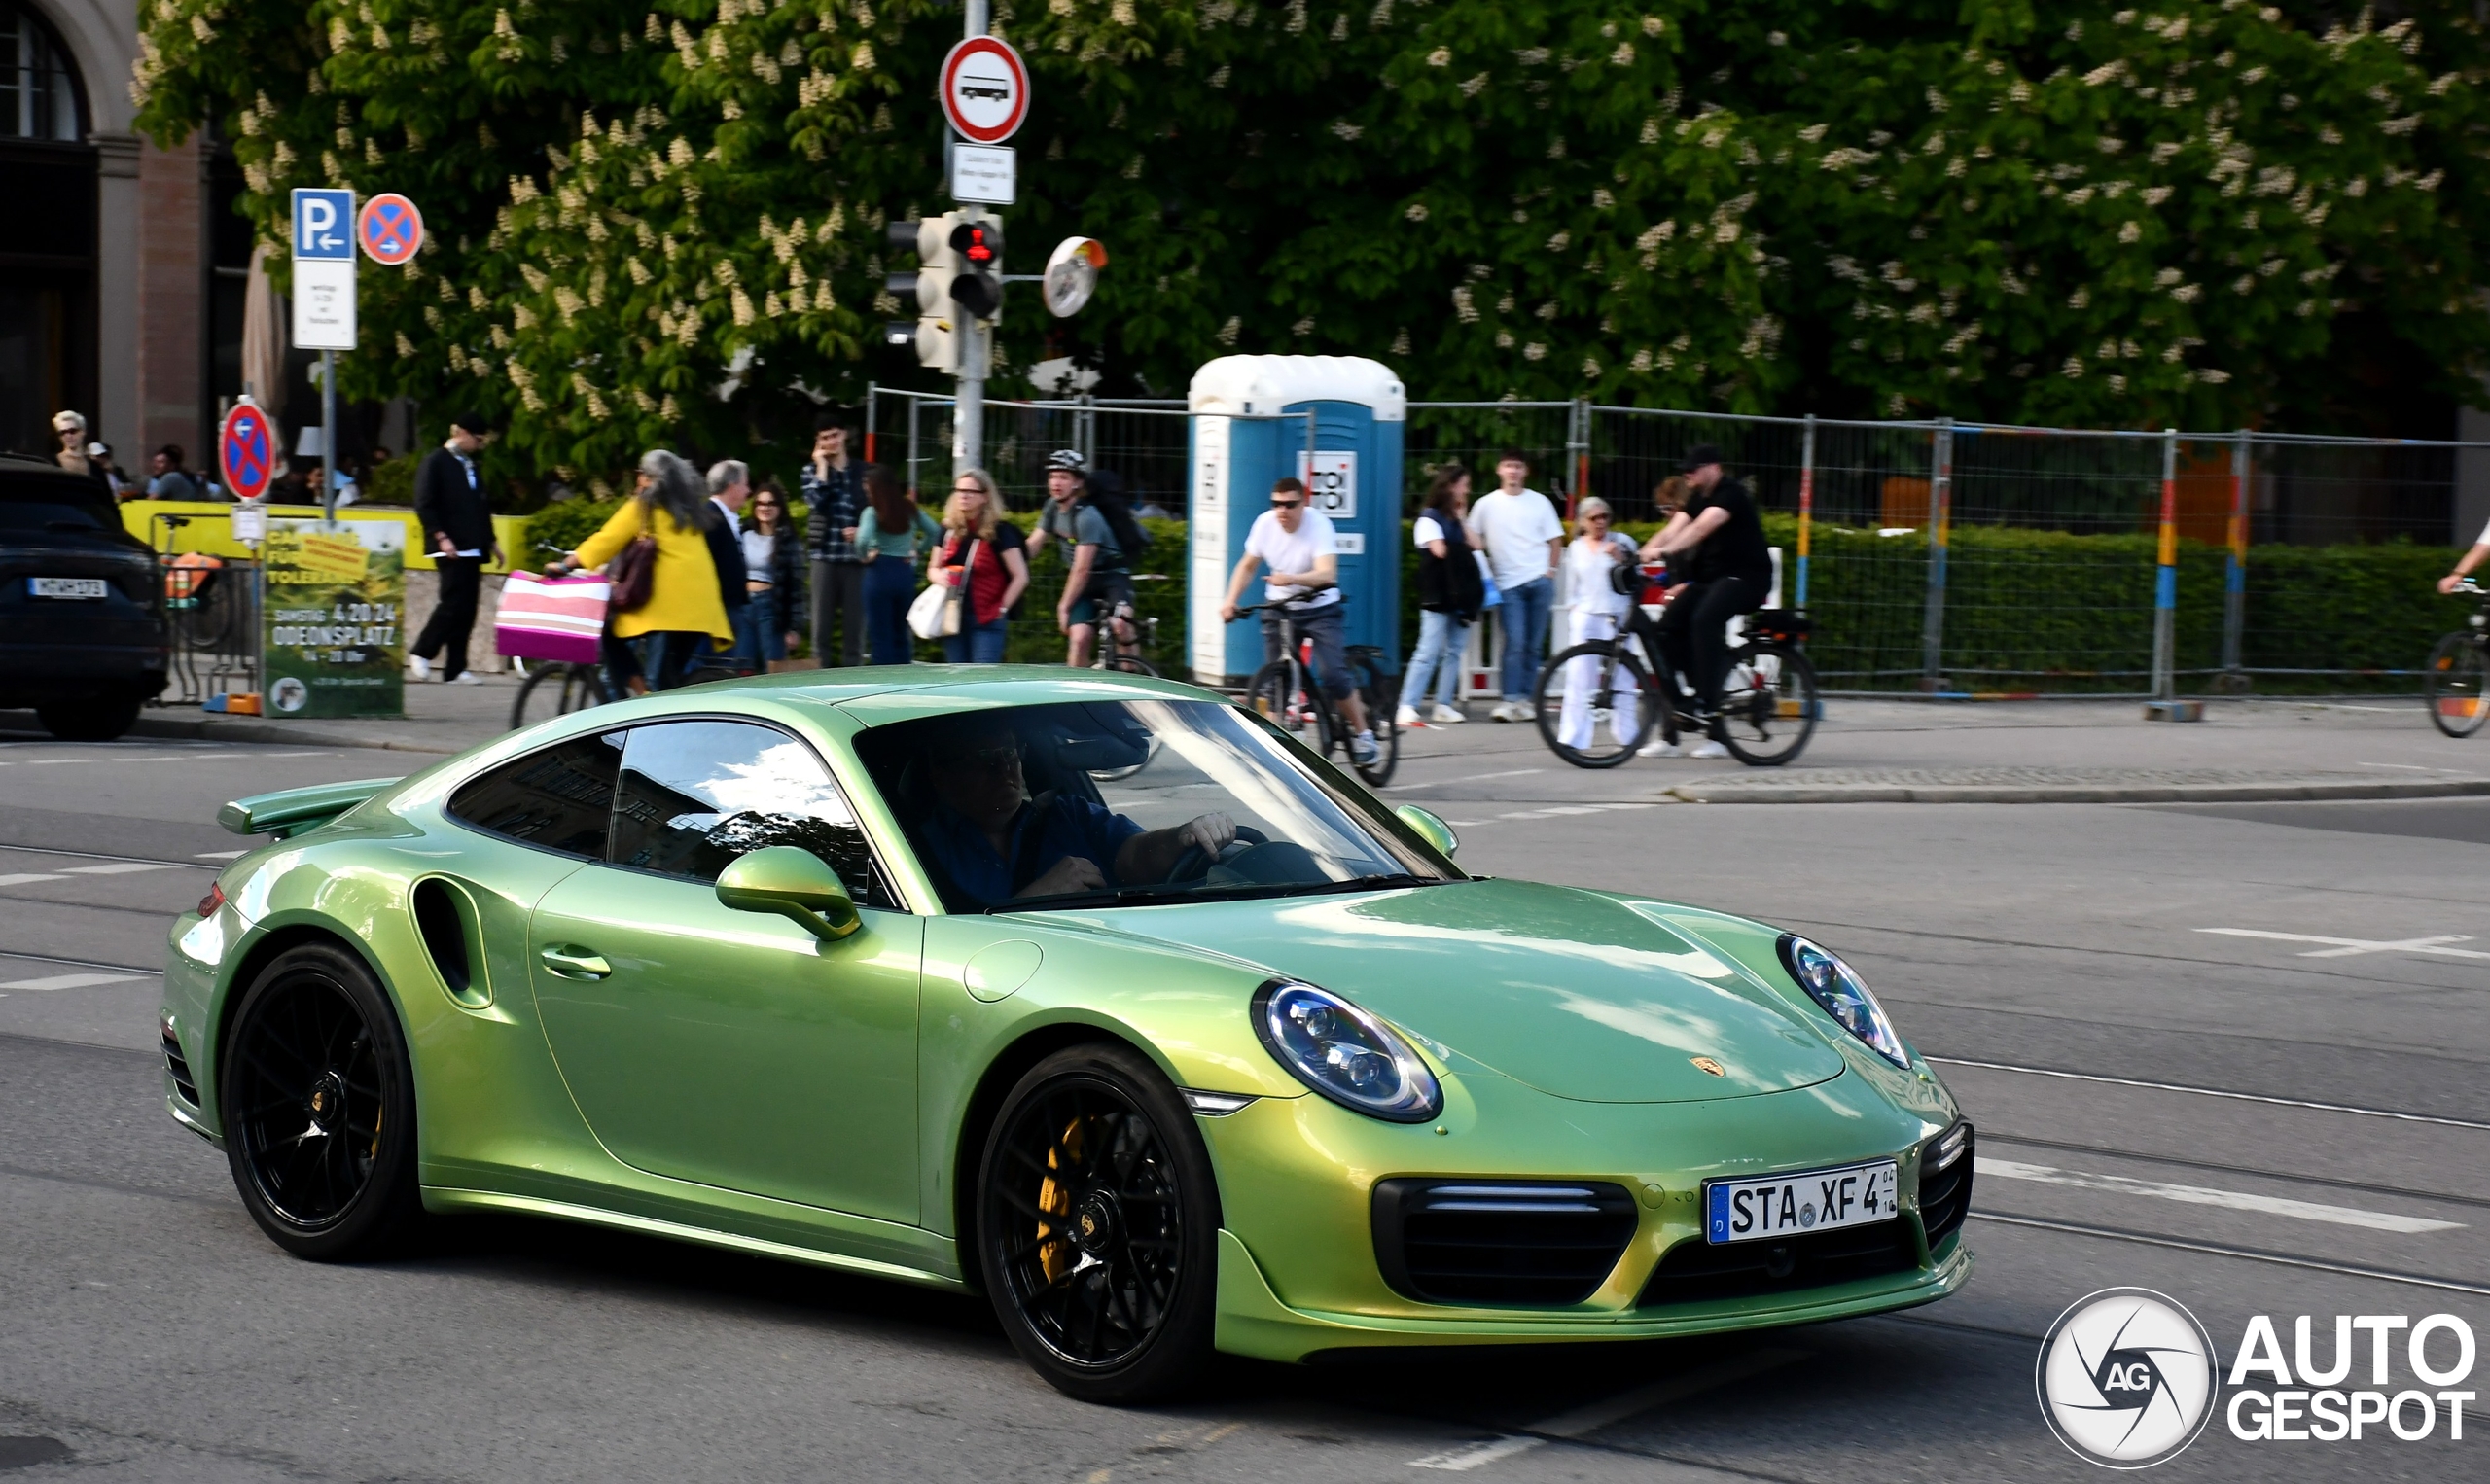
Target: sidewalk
[{"x": 1863, "y": 752}]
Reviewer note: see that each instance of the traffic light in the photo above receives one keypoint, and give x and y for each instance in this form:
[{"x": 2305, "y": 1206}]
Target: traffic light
[
  {"x": 977, "y": 248},
  {"x": 932, "y": 333}
]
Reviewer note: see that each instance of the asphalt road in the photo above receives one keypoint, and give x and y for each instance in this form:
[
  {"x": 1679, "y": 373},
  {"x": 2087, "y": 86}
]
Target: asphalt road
[{"x": 2232, "y": 1053}]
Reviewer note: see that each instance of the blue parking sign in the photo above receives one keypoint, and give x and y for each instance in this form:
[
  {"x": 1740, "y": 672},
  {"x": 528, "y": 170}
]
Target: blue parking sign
[{"x": 323, "y": 224}]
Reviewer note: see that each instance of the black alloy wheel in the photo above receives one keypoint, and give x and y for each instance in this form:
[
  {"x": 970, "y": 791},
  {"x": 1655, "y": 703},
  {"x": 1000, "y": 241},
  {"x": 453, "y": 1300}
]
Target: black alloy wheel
[
  {"x": 1608, "y": 668},
  {"x": 1098, "y": 1226},
  {"x": 319, "y": 1108}
]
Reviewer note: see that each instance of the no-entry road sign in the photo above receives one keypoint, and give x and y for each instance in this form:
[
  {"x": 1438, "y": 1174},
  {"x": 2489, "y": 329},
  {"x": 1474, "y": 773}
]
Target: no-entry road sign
[
  {"x": 390, "y": 228},
  {"x": 246, "y": 450},
  {"x": 985, "y": 89}
]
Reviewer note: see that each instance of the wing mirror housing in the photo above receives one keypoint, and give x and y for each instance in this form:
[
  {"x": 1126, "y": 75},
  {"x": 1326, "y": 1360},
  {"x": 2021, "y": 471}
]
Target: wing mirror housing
[
  {"x": 1431, "y": 827},
  {"x": 792, "y": 882}
]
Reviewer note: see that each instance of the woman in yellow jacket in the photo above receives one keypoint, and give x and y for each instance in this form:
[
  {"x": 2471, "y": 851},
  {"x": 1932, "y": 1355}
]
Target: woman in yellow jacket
[{"x": 684, "y": 609}]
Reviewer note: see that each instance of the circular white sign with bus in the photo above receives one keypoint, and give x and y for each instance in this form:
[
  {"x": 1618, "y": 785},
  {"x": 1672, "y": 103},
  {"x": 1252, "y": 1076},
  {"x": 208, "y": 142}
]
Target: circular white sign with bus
[{"x": 985, "y": 90}]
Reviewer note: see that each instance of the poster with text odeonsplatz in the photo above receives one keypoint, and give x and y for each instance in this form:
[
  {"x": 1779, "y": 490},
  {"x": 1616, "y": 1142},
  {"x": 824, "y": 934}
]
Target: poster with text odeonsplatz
[{"x": 335, "y": 637}]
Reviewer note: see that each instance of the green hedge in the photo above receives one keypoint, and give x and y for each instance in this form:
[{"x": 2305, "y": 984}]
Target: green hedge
[{"x": 2024, "y": 609}]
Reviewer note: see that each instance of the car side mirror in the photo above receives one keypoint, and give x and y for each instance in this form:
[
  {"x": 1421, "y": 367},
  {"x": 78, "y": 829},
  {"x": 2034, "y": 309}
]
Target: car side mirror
[
  {"x": 792, "y": 882},
  {"x": 1431, "y": 825}
]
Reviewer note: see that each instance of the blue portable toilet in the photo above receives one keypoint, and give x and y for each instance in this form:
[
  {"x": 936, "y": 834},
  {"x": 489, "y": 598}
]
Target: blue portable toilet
[{"x": 1248, "y": 430}]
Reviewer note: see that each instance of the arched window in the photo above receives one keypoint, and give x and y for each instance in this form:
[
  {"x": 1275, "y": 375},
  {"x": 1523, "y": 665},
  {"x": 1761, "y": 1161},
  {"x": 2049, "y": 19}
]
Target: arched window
[{"x": 38, "y": 93}]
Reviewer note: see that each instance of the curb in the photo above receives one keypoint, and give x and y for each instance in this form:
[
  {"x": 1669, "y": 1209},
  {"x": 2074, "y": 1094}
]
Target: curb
[
  {"x": 2084, "y": 794},
  {"x": 201, "y": 728}
]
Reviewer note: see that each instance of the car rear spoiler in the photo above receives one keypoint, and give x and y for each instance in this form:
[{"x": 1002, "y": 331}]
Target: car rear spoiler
[{"x": 290, "y": 812}]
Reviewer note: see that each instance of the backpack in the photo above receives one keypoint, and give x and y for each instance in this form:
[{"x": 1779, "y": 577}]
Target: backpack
[{"x": 1107, "y": 495}]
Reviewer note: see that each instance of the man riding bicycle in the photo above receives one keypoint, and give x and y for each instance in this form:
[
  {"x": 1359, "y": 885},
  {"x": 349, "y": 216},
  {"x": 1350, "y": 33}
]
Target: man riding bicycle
[
  {"x": 1717, "y": 539},
  {"x": 1100, "y": 584},
  {"x": 1303, "y": 555}
]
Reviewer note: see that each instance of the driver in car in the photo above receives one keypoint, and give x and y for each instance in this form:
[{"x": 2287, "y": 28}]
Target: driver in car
[{"x": 996, "y": 843}]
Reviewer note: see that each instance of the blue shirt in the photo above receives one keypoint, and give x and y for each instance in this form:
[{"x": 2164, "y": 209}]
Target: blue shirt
[{"x": 1071, "y": 827}]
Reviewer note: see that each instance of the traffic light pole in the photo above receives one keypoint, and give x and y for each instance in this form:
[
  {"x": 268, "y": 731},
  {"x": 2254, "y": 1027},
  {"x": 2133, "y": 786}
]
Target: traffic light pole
[{"x": 968, "y": 413}]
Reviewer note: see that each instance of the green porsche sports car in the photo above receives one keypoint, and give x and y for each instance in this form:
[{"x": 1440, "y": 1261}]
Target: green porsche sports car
[{"x": 1099, "y": 995}]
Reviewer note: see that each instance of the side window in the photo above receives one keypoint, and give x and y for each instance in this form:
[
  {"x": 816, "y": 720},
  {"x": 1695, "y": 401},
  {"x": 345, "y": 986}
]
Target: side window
[
  {"x": 695, "y": 794},
  {"x": 562, "y": 798}
]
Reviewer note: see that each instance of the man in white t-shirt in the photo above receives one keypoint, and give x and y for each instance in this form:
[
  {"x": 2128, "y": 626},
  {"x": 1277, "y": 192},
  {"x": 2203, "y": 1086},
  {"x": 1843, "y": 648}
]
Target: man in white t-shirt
[
  {"x": 1304, "y": 554},
  {"x": 1523, "y": 540}
]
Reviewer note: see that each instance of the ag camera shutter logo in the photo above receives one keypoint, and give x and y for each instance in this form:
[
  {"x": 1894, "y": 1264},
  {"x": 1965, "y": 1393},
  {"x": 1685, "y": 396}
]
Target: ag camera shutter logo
[{"x": 2126, "y": 1378}]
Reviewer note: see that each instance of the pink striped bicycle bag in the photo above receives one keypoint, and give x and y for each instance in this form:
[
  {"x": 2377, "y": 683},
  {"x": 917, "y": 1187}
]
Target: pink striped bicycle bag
[{"x": 559, "y": 618}]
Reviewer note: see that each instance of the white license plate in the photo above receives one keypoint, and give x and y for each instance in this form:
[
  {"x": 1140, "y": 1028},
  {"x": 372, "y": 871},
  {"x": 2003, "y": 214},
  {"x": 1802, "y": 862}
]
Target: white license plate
[
  {"x": 66, "y": 586},
  {"x": 1785, "y": 1206}
]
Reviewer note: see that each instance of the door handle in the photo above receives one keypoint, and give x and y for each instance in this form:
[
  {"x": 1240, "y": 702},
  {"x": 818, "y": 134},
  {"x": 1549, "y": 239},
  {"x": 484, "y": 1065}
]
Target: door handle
[{"x": 575, "y": 963}]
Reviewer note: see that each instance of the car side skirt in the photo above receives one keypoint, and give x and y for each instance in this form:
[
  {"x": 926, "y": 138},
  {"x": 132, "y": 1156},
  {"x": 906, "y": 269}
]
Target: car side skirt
[{"x": 1253, "y": 1321}]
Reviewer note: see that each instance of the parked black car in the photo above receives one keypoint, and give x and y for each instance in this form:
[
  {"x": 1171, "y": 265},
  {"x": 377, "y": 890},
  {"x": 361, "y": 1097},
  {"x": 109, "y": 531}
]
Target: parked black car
[{"x": 82, "y": 638}]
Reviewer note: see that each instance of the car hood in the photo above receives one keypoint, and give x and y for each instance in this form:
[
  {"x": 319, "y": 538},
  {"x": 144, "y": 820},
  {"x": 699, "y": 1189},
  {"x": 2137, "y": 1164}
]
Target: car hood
[{"x": 1577, "y": 994}]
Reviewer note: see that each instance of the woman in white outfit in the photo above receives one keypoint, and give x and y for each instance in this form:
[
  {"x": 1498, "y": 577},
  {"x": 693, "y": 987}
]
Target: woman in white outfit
[{"x": 1586, "y": 594}]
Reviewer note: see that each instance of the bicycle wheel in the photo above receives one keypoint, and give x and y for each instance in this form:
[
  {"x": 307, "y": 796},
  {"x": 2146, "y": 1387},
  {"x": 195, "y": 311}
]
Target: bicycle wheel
[
  {"x": 1768, "y": 705},
  {"x": 2458, "y": 684},
  {"x": 1278, "y": 694},
  {"x": 1129, "y": 664},
  {"x": 552, "y": 690},
  {"x": 1614, "y": 669},
  {"x": 1379, "y": 714}
]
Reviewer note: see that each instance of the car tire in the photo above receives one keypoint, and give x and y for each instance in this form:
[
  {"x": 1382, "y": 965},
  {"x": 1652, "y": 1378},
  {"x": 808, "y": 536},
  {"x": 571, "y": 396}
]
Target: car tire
[
  {"x": 1145, "y": 1230},
  {"x": 96, "y": 718},
  {"x": 318, "y": 1102}
]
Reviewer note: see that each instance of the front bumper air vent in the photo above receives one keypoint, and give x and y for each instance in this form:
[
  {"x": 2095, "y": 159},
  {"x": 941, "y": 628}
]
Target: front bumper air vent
[
  {"x": 1540, "y": 1244},
  {"x": 1945, "y": 1183},
  {"x": 180, "y": 1071}
]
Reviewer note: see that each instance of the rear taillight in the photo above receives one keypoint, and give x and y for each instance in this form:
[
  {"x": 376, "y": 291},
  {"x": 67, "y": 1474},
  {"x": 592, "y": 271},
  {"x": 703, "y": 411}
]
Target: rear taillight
[{"x": 214, "y": 899}]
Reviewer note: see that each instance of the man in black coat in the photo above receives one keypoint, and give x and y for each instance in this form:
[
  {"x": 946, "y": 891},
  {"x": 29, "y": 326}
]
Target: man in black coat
[
  {"x": 729, "y": 486},
  {"x": 458, "y": 533}
]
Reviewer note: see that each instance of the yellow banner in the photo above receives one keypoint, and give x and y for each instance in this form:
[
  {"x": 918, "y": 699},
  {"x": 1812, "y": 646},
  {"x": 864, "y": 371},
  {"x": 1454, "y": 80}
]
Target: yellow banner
[{"x": 303, "y": 557}]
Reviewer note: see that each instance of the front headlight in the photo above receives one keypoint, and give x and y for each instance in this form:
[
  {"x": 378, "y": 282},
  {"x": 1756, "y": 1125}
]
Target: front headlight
[
  {"x": 1845, "y": 997},
  {"x": 1344, "y": 1053}
]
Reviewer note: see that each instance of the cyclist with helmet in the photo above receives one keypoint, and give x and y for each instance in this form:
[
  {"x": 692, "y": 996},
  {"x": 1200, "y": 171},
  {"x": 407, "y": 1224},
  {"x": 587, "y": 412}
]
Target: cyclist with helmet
[{"x": 1099, "y": 584}]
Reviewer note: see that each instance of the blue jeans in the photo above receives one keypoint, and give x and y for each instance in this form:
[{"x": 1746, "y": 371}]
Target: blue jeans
[
  {"x": 761, "y": 630},
  {"x": 1438, "y": 654},
  {"x": 980, "y": 645},
  {"x": 1524, "y": 617},
  {"x": 890, "y": 585}
]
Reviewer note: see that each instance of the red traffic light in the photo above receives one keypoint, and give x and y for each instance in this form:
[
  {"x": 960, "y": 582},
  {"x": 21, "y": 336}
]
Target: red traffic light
[{"x": 977, "y": 244}]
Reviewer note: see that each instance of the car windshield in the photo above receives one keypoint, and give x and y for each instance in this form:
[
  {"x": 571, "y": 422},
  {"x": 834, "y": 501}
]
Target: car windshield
[
  {"x": 54, "y": 510},
  {"x": 1130, "y": 802}
]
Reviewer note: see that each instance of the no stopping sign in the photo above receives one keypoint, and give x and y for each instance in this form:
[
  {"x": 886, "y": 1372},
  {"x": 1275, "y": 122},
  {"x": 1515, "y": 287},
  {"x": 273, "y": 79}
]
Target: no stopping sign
[{"x": 985, "y": 89}]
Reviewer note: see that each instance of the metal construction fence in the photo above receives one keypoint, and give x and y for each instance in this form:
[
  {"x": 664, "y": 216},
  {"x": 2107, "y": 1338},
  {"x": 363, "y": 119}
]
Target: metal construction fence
[{"x": 1937, "y": 557}]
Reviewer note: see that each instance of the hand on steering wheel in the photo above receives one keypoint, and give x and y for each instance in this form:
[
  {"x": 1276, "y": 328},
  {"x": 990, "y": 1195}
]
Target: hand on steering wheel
[{"x": 1210, "y": 839}]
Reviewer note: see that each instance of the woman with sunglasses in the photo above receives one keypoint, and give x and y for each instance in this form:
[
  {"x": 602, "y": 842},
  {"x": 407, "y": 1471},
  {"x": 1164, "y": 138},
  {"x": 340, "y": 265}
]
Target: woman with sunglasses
[
  {"x": 1587, "y": 591},
  {"x": 773, "y": 559},
  {"x": 988, "y": 550}
]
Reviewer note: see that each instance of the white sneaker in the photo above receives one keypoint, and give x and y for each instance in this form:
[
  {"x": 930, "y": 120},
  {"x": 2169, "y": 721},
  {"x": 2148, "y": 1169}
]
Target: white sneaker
[
  {"x": 1525, "y": 711},
  {"x": 1708, "y": 750},
  {"x": 1364, "y": 749},
  {"x": 1405, "y": 717},
  {"x": 466, "y": 677},
  {"x": 1659, "y": 749},
  {"x": 418, "y": 668},
  {"x": 1446, "y": 716},
  {"x": 1504, "y": 711}
]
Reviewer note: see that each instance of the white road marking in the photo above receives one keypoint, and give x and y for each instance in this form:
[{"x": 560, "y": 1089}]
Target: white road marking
[
  {"x": 23, "y": 877},
  {"x": 2210, "y": 1093},
  {"x": 221, "y": 855},
  {"x": 1607, "y": 1412},
  {"x": 1553, "y": 811},
  {"x": 2353, "y": 947},
  {"x": 2200, "y": 1195},
  {"x": 121, "y": 867},
  {"x": 71, "y": 981}
]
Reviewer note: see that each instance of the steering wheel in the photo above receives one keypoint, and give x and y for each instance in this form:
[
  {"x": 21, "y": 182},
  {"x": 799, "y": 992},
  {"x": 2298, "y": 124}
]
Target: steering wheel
[{"x": 1198, "y": 861}]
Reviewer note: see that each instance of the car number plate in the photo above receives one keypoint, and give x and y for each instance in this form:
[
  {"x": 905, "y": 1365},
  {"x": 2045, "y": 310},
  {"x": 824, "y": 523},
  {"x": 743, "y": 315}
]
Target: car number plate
[
  {"x": 1786, "y": 1206},
  {"x": 66, "y": 586}
]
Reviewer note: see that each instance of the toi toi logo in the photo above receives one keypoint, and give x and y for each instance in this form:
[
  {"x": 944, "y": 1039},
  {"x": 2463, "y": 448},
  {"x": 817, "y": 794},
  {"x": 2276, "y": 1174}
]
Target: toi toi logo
[{"x": 2126, "y": 1378}]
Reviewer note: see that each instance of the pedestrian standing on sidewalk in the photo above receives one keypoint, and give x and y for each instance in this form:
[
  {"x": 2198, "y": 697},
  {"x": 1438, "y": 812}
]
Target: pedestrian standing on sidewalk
[
  {"x": 1718, "y": 551},
  {"x": 1595, "y": 610},
  {"x": 681, "y": 611},
  {"x": 1518, "y": 530},
  {"x": 888, "y": 535},
  {"x": 986, "y": 553},
  {"x": 1449, "y": 595},
  {"x": 730, "y": 482},
  {"x": 458, "y": 533},
  {"x": 773, "y": 564},
  {"x": 831, "y": 483},
  {"x": 167, "y": 480}
]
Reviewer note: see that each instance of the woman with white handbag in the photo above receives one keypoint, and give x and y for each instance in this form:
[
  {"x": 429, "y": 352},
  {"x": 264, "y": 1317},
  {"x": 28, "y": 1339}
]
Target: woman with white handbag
[{"x": 978, "y": 575}]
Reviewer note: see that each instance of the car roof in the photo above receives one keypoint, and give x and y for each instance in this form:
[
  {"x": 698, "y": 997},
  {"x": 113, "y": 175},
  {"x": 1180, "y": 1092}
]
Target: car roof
[{"x": 880, "y": 694}]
